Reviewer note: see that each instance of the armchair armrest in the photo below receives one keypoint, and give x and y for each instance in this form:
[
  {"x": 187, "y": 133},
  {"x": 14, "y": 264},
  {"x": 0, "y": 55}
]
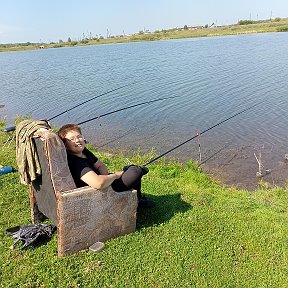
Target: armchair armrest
[{"x": 87, "y": 215}]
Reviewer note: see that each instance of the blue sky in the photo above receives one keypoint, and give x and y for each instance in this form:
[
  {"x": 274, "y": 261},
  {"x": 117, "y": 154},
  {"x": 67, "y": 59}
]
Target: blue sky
[{"x": 54, "y": 20}]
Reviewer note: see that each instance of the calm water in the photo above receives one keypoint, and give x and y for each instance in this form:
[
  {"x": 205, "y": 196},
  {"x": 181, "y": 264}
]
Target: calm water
[{"x": 212, "y": 79}]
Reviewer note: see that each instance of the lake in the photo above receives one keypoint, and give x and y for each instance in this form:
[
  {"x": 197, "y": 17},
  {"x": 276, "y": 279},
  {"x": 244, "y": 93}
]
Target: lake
[{"x": 210, "y": 79}]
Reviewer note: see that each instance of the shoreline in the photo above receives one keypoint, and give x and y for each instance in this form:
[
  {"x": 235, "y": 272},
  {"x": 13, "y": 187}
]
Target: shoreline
[
  {"x": 261, "y": 26},
  {"x": 226, "y": 171}
]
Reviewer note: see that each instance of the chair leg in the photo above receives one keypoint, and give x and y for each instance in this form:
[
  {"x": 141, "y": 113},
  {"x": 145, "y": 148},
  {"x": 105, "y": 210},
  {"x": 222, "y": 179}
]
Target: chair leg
[{"x": 36, "y": 215}]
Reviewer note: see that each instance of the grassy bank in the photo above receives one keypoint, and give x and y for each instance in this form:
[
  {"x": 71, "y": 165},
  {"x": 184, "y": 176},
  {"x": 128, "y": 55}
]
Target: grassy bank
[
  {"x": 246, "y": 27},
  {"x": 199, "y": 235}
]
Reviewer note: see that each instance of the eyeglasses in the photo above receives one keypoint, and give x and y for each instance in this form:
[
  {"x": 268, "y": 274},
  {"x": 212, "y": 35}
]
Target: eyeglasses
[{"x": 74, "y": 139}]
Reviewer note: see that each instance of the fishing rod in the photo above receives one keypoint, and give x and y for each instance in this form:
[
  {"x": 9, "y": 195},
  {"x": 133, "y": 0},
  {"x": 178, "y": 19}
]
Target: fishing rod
[
  {"x": 86, "y": 101},
  {"x": 197, "y": 135},
  {"x": 127, "y": 107},
  {"x": 8, "y": 129},
  {"x": 12, "y": 128}
]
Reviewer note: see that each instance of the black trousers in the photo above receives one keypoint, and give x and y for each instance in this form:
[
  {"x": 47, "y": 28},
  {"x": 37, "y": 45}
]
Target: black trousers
[{"x": 131, "y": 179}]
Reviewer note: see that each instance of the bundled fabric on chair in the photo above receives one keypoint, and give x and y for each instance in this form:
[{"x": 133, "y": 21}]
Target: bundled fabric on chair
[{"x": 26, "y": 155}]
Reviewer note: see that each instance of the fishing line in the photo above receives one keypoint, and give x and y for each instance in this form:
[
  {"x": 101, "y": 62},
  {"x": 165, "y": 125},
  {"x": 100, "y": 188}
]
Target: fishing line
[
  {"x": 215, "y": 153},
  {"x": 117, "y": 138},
  {"x": 208, "y": 129},
  {"x": 129, "y": 132}
]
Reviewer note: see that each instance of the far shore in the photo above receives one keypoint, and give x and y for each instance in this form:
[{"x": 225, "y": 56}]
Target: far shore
[{"x": 242, "y": 27}]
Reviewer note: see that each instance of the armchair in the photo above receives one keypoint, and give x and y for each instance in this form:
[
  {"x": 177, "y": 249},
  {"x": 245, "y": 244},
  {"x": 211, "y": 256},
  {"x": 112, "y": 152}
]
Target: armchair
[{"x": 84, "y": 215}]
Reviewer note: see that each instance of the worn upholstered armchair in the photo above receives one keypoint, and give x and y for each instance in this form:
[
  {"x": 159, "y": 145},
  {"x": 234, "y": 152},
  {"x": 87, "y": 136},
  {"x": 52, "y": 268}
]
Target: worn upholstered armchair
[{"x": 84, "y": 215}]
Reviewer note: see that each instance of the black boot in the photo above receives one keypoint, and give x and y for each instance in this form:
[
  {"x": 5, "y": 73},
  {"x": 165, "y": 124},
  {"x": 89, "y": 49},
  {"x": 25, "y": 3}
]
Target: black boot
[
  {"x": 125, "y": 168},
  {"x": 144, "y": 169}
]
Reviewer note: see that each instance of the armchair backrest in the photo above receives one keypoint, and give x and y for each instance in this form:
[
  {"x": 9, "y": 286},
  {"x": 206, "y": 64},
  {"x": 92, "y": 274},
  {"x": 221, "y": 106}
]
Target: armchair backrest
[
  {"x": 57, "y": 162},
  {"x": 56, "y": 177}
]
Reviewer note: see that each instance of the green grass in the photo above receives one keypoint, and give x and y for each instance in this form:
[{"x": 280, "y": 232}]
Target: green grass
[
  {"x": 199, "y": 235},
  {"x": 282, "y": 29}
]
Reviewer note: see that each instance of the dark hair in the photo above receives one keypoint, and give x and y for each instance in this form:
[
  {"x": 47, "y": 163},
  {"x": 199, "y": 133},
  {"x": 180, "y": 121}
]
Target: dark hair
[{"x": 64, "y": 130}]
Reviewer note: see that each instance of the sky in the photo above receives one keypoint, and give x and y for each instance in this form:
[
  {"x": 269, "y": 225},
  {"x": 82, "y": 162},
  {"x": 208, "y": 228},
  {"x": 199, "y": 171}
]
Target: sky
[{"x": 53, "y": 20}]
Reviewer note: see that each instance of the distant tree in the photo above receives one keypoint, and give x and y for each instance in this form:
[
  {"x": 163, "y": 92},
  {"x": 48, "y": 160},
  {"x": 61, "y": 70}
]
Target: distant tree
[
  {"x": 185, "y": 27},
  {"x": 141, "y": 32},
  {"x": 282, "y": 29},
  {"x": 69, "y": 40},
  {"x": 60, "y": 41},
  {"x": 246, "y": 22},
  {"x": 206, "y": 26}
]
